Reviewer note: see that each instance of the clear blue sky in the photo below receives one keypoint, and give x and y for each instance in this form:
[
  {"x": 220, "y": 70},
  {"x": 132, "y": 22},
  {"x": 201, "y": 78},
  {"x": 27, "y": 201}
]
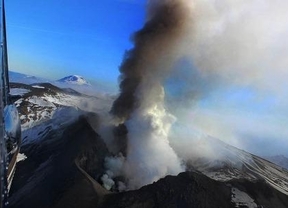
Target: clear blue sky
[{"x": 56, "y": 38}]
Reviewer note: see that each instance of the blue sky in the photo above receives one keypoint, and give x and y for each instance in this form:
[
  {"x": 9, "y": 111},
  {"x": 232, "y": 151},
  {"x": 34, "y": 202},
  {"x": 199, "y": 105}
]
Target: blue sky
[{"x": 56, "y": 38}]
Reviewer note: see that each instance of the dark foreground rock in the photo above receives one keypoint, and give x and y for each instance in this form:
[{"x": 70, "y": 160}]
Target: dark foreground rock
[
  {"x": 189, "y": 189},
  {"x": 50, "y": 175}
]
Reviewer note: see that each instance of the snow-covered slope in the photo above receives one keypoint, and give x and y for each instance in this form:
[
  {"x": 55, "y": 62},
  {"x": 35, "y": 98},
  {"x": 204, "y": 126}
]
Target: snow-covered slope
[
  {"x": 74, "y": 79},
  {"x": 229, "y": 163},
  {"x": 38, "y": 103}
]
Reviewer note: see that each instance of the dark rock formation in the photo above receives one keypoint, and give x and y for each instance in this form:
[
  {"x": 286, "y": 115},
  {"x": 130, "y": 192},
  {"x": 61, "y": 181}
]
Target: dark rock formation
[{"x": 50, "y": 175}]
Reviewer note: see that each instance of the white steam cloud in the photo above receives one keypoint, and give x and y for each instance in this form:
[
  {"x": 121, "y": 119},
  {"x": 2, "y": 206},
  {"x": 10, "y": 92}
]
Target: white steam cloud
[
  {"x": 240, "y": 41},
  {"x": 149, "y": 154},
  {"x": 240, "y": 44}
]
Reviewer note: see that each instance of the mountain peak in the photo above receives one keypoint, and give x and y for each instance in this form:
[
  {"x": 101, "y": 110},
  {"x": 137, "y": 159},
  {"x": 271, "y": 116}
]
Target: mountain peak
[{"x": 74, "y": 79}]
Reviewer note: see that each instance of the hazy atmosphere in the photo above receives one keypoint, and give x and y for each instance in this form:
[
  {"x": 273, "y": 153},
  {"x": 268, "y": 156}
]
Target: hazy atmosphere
[{"x": 216, "y": 68}]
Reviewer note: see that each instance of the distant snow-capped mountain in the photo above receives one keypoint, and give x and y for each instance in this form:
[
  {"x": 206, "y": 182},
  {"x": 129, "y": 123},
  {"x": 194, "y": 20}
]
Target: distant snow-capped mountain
[
  {"x": 74, "y": 79},
  {"x": 79, "y": 84},
  {"x": 24, "y": 78},
  {"x": 28, "y": 79}
]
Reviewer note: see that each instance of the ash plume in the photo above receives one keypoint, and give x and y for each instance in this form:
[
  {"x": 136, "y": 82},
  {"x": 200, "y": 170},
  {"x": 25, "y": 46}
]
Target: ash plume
[{"x": 152, "y": 53}]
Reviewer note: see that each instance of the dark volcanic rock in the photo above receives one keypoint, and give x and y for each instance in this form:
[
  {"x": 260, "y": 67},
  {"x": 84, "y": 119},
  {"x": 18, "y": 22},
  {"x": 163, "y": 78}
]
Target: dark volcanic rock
[
  {"x": 49, "y": 174},
  {"x": 189, "y": 189},
  {"x": 195, "y": 190},
  {"x": 263, "y": 194}
]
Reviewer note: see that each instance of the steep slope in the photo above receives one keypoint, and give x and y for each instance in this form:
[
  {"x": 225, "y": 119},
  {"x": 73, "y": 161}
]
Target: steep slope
[
  {"x": 280, "y": 160},
  {"x": 228, "y": 163}
]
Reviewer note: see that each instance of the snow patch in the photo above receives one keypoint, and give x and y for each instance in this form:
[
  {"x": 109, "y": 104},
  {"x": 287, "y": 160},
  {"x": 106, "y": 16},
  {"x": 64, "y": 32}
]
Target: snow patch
[
  {"x": 39, "y": 87},
  {"x": 242, "y": 199},
  {"x": 40, "y": 101},
  {"x": 61, "y": 117},
  {"x": 19, "y": 91}
]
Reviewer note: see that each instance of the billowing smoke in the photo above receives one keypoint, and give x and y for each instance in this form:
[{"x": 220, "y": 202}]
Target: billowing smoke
[
  {"x": 238, "y": 51},
  {"x": 141, "y": 101},
  {"x": 224, "y": 43},
  {"x": 240, "y": 42},
  {"x": 154, "y": 52}
]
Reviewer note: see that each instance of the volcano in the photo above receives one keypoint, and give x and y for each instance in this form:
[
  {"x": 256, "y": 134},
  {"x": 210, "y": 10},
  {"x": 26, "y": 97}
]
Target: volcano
[
  {"x": 66, "y": 160},
  {"x": 64, "y": 166},
  {"x": 74, "y": 79}
]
